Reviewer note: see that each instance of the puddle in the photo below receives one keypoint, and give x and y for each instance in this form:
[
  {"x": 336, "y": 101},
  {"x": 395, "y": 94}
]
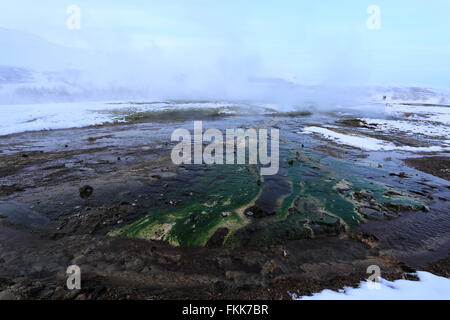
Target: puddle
[{"x": 21, "y": 214}]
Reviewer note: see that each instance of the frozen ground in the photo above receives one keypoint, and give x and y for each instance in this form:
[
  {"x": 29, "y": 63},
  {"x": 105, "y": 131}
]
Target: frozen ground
[
  {"x": 430, "y": 287},
  {"x": 421, "y": 119},
  {"x": 46, "y": 116},
  {"x": 370, "y": 144},
  {"x": 439, "y": 114},
  {"x": 409, "y": 127}
]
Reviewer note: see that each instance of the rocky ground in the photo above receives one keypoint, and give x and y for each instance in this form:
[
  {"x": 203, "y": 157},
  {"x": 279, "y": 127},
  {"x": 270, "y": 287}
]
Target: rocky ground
[
  {"x": 63, "y": 191},
  {"x": 434, "y": 165}
]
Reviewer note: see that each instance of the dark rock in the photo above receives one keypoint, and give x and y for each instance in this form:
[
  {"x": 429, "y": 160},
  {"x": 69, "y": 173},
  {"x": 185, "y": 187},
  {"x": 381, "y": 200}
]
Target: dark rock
[
  {"x": 217, "y": 239},
  {"x": 406, "y": 268},
  {"x": 86, "y": 191},
  {"x": 258, "y": 212},
  {"x": 8, "y": 190},
  {"x": 400, "y": 175},
  {"x": 370, "y": 213}
]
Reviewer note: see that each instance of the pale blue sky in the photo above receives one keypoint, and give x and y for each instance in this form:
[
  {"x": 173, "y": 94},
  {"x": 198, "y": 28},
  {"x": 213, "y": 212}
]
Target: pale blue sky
[{"x": 322, "y": 42}]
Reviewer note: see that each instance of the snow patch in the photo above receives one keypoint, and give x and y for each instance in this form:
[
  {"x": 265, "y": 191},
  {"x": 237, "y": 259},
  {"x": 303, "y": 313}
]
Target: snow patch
[
  {"x": 367, "y": 143},
  {"x": 410, "y": 127},
  {"x": 439, "y": 114},
  {"x": 33, "y": 117},
  {"x": 430, "y": 287}
]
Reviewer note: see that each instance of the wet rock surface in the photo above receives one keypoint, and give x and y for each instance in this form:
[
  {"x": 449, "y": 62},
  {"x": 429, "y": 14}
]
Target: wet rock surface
[{"x": 130, "y": 178}]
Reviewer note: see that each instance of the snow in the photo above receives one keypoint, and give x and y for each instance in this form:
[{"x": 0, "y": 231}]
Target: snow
[
  {"x": 409, "y": 95},
  {"x": 439, "y": 114},
  {"x": 19, "y": 118},
  {"x": 367, "y": 143},
  {"x": 410, "y": 127},
  {"x": 430, "y": 287},
  {"x": 45, "y": 116}
]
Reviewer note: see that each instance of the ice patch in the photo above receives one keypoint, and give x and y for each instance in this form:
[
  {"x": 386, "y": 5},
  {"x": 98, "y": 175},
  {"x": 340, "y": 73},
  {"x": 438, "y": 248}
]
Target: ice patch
[{"x": 430, "y": 287}]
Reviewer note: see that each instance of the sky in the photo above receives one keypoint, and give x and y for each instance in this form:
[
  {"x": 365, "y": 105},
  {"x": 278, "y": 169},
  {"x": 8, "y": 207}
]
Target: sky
[{"x": 324, "y": 42}]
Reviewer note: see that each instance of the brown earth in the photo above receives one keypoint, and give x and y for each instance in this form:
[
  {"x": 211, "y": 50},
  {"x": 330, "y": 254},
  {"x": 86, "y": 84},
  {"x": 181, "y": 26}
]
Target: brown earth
[{"x": 437, "y": 166}]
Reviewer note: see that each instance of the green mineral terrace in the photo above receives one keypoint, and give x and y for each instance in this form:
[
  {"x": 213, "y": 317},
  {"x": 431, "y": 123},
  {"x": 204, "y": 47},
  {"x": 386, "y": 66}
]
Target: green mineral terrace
[{"x": 233, "y": 206}]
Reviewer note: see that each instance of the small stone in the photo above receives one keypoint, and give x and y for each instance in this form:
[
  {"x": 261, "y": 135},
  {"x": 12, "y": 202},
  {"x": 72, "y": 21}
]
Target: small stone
[{"x": 86, "y": 191}]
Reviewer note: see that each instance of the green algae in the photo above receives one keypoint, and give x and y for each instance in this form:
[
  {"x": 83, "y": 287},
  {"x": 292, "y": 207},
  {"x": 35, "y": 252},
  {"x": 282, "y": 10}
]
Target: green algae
[
  {"x": 326, "y": 196},
  {"x": 224, "y": 189}
]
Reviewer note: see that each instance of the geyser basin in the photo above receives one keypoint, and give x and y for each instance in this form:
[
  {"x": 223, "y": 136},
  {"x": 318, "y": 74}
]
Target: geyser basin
[{"x": 232, "y": 205}]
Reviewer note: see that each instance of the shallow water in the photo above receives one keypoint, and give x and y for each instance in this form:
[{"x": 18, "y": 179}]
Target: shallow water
[{"x": 21, "y": 214}]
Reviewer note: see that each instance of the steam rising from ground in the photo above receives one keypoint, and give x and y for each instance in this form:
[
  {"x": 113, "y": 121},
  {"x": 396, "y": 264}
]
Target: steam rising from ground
[
  {"x": 35, "y": 70},
  {"x": 148, "y": 68}
]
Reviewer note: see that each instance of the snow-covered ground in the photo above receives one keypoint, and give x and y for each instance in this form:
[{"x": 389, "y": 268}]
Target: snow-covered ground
[
  {"x": 437, "y": 114},
  {"x": 408, "y": 127},
  {"x": 20, "y": 118},
  {"x": 393, "y": 115},
  {"x": 370, "y": 144},
  {"x": 45, "y": 116},
  {"x": 409, "y": 95},
  {"x": 430, "y": 287},
  {"x": 410, "y": 111}
]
